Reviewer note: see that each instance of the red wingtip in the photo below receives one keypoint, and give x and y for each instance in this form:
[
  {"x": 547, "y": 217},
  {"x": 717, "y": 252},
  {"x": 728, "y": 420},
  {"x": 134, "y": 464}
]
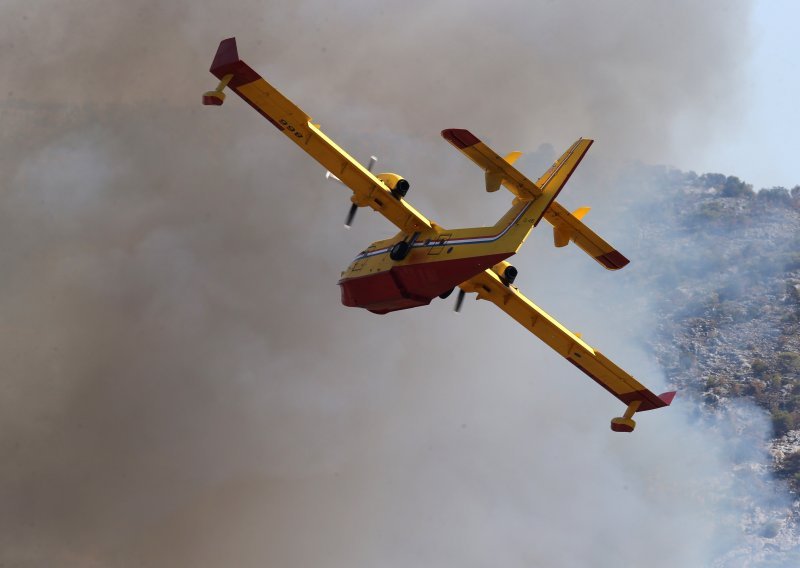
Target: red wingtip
[
  {"x": 667, "y": 397},
  {"x": 460, "y": 138},
  {"x": 226, "y": 54}
]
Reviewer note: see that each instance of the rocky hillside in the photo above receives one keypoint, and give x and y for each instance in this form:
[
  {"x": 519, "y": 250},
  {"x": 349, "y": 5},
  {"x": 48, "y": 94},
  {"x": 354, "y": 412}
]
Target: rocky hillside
[
  {"x": 723, "y": 271},
  {"x": 725, "y": 264}
]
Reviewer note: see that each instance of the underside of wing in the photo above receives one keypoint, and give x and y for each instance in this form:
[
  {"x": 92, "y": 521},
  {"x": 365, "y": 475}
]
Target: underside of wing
[
  {"x": 287, "y": 117},
  {"x": 594, "y": 364}
]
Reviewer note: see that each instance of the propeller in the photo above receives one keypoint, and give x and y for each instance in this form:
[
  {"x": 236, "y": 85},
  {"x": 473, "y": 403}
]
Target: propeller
[
  {"x": 460, "y": 299},
  {"x": 351, "y": 214}
]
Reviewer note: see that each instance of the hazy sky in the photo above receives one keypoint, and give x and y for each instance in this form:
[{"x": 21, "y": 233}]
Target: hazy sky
[{"x": 761, "y": 147}]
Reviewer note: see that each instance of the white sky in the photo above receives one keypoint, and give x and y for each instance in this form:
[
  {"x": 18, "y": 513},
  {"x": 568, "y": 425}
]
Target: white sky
[{"x": 763, "y": 149}]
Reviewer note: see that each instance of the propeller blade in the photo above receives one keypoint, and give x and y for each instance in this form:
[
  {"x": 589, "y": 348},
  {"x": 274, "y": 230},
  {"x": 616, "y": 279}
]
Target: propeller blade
[
  {"x": 351, "y": 215},
  {"x": 460, "y": 299},
  {"x": 353, "y": 208}
]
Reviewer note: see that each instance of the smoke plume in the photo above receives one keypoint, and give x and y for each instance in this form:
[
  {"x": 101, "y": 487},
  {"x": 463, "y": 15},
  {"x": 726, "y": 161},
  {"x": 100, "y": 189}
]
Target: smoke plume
[{"x": 182, "y": 387}]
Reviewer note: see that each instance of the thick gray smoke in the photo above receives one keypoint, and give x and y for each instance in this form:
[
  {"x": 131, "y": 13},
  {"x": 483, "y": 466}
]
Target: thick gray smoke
[{"x": 180, "y": 384}]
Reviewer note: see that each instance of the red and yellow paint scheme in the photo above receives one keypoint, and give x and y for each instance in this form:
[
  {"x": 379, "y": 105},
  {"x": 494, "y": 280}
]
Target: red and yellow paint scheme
[{"x": 424, "y": 260}]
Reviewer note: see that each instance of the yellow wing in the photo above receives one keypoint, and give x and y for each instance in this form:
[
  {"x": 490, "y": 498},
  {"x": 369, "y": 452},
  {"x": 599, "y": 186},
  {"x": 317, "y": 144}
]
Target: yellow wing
[
  {"x": 296, "y": 125},
  {"x": 599, "y": 368},
  {"x": 567, "y": 226}
]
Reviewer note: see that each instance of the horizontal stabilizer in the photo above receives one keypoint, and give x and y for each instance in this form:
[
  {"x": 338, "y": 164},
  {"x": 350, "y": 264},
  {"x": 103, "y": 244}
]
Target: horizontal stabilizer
[
  {"x": 494, "y": 178},
  {"x": 569, "y": 227},
  {"x": 499, "y": 171},
  {"x": 563, "y": 233}
]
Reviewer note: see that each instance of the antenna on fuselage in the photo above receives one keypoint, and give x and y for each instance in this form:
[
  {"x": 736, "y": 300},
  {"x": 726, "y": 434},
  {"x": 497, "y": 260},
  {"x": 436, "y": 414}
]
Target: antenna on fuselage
[{"x": 351, "y": 214}]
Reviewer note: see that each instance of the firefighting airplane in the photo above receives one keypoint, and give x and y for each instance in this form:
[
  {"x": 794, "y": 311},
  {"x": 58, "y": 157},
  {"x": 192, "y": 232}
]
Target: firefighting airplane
[{"x": 424, "y": 260}]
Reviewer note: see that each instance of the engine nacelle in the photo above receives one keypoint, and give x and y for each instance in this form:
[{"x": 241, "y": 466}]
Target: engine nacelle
[
  {"x": 395, "y": 183},
  {"x": 506, "y": 271}
]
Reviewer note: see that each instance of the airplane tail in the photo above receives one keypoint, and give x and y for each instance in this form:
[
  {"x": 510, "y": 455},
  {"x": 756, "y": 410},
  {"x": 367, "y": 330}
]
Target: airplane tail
[
  {"x": 567, "y": 227},
  {"x": 531, "y": 203}
]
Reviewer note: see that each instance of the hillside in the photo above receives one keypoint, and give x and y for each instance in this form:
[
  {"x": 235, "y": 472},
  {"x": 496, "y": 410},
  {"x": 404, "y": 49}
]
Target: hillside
[
  {"x": 724, "y": 263},
  {"x": 721, "y": 266}
]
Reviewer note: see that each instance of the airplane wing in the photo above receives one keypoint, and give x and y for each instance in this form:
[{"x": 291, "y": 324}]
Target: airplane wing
[
  {"x": 296, "y": 125},
  {"x": 566, "y": 225},
  {"x": 594, "y": 364}
]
